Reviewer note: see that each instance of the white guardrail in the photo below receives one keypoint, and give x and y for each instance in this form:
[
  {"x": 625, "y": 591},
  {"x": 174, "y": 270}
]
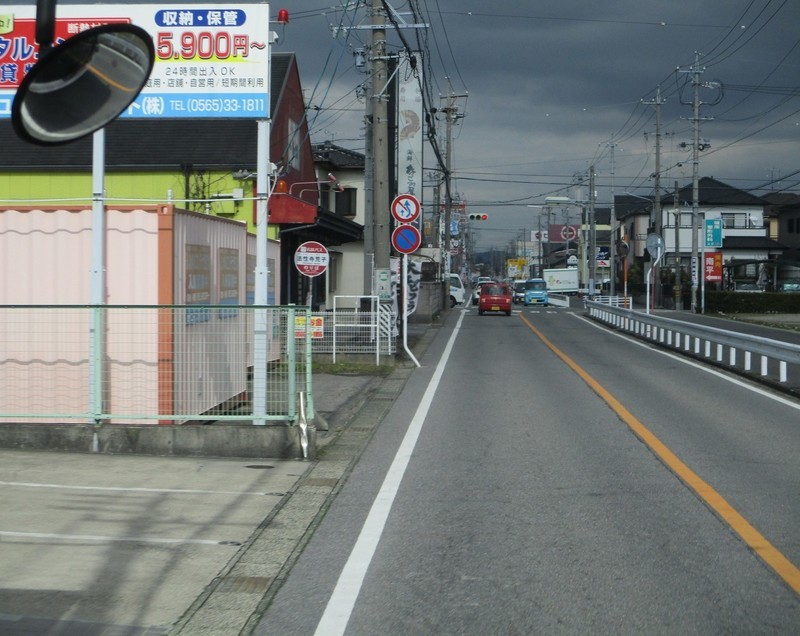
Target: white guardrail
[{"x": 702, "y": 340}]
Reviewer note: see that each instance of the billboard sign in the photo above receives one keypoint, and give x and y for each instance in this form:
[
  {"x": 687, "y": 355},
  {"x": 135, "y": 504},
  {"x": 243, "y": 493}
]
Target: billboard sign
[
  {"x": 712, "y": 267},
  {"x": 713, "y": 233},
  {"x": 211, "y": 61}
]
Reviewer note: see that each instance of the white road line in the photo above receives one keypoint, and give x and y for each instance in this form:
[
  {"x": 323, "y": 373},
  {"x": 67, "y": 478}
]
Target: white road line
[
  {"x": 178, "y": 491},
  {"x": 109, "y": 539},
  {"x": 693, "y": 363},
  {"x": 340, "y": 605}
]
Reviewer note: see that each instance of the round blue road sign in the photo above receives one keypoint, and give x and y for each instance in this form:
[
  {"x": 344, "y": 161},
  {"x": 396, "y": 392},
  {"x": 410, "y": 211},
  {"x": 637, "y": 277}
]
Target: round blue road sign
[{"x": 406, "y": 239}]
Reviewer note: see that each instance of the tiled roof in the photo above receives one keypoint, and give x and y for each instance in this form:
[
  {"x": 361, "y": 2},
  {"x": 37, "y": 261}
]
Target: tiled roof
[
  {"x": 714, "y": 192},
  {"x": 337, "y": 157},
  {"x": 751, "y": 242},
  {"x": 152, "y": 144}
]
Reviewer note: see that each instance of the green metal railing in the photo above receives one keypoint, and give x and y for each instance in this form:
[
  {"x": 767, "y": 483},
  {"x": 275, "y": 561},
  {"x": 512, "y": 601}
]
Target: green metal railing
[{"x": 160, "y": 364}]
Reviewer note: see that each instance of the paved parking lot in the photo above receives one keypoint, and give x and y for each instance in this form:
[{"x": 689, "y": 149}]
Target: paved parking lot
[{"x": 99, "y": 540}]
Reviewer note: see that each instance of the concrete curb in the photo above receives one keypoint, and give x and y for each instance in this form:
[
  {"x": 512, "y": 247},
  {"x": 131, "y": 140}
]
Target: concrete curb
[{"x": 230, "y": 440}]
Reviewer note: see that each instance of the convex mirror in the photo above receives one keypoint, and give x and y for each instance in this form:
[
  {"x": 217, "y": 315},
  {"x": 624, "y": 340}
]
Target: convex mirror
[{"x": 82, "y": 84}]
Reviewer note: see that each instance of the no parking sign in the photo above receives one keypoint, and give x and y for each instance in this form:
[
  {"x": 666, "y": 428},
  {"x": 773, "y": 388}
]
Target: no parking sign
[{"x": 406, "y": 238}]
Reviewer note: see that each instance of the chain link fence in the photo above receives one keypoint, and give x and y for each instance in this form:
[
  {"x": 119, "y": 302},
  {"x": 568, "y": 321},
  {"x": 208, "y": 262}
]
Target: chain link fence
[
  {"x": 153, "y": 364},
  {"x": 176, "y": 364}
]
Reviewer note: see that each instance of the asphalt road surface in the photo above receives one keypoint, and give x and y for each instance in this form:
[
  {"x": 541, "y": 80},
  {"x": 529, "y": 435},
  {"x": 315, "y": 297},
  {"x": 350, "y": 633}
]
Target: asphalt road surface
[{"x": 540, "y": 474}]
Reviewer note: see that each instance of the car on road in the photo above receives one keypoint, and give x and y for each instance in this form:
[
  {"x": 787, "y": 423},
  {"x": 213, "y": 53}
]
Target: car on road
[
  {"x": 536, "y": 292},
  {"x": 519, "y": 292},
  {"x": 458, "y": 294},
  {"x": 495, "y": 297},
  {"x": 476, "y": 290}
]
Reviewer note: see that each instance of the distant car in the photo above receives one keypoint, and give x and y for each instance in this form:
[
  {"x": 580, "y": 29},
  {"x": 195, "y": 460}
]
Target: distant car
[
  {"x": 476, "y": 290},
  {"x": 519, "y": 292},
  {"x": 790, "y": 286},
  {"x": 495, "y": 297},
  {"x": 457, "y": 292}
]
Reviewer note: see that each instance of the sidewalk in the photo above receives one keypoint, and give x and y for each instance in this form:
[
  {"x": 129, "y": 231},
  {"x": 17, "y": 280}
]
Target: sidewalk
[
  {"x": 138, "y": 545},
  {"x": 354, "y": 406}
]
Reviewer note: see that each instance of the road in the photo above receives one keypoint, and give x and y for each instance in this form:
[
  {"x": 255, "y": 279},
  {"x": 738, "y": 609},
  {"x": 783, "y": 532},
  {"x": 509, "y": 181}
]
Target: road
[{"x": 540, "y": 474}]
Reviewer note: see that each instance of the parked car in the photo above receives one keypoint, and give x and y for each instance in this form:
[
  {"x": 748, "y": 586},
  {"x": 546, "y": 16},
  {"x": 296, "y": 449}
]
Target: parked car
[
  {"x": 458, "y": 294},
  {"x": 747, "y": 287},
  {"x": 495, "y": 297}
]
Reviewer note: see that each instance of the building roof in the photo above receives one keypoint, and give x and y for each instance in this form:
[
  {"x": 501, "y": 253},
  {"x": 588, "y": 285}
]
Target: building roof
[
  {"x": 711, "y": 192},
  {"x": 752, "y": 243},
  {"x": 714, "y": 192},
  {"x": 337, "y": 157},
  {"x": 140, "y": 144},
  {"x": 780, "y": 202}
]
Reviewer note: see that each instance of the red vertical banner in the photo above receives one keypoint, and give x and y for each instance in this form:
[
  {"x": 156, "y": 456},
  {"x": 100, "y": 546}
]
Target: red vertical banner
[{"x": 712, "y": 267}]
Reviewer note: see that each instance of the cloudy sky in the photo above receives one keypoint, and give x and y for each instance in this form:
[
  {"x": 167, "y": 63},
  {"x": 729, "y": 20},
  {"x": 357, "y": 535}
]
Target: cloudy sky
[{"x": 557, "y": 86}]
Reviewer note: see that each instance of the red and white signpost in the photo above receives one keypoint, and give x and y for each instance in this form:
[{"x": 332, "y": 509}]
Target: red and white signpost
[{"x": 311, "y": 259}]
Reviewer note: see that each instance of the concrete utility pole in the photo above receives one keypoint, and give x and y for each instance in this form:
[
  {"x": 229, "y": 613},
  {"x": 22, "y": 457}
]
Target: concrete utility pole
[
  {"x": 657, "y": 220},
  {"x": 380, "y": 140},
  {"x": 678, "y": 272},
  {"x": 451, "y": 114},
  {"x": 369, "y": 233},
  {"x": 696, "y": 266},
  {"x": 612, "y": 248},
  {"x": 592, "y": 234}
]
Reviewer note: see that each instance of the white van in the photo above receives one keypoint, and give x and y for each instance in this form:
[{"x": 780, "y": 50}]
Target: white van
[{"x": 457, "y": 292}]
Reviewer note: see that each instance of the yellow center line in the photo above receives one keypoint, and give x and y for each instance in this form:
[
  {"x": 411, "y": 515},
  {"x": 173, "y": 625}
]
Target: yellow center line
[{"x": 752, "y": 537}]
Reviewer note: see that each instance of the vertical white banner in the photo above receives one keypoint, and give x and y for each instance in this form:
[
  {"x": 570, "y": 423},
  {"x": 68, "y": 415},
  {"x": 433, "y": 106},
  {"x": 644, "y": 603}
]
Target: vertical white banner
[{"x": 410, "y": 126}]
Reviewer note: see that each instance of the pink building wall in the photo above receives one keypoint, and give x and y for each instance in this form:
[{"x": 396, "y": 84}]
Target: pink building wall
[{"x": 156, "y": 362}]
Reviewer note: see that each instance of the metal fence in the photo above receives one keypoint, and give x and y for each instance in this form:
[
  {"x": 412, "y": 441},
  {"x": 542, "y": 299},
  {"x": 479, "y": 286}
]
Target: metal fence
[
  {"x": 358, "y": 325},
  {"x": 154, "y": 364},
  {"x": 729, "y": 348}
]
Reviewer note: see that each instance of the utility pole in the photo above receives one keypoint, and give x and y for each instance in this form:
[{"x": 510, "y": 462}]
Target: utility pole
[
  {"x": 380, "y": 140},
  {"x": 657, "y": 220},
  {"x": 592, "y": 235},
  {"x": 678, "y": 272},
  {"x": 695, "y": 179},
  {"x": 696, "y": 119},
  {"x": 369, "y": 233},
  {"x": 613, "y": 221},
  {"x": 451, "y": 114}
]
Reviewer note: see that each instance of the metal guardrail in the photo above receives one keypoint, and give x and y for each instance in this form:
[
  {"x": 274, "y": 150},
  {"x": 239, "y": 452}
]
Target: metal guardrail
[{"x": 703, "y": 341}]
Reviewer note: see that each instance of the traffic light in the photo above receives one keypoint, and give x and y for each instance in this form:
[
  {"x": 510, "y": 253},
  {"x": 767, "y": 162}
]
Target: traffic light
[{"x": 478, "y": 217}]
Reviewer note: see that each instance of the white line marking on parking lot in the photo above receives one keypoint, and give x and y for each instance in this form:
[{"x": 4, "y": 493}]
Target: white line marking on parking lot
[
  {"x": 25, "y": 484},
  {"x": 106, "y": 539},
  {"x": 340, "y": 605}
]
